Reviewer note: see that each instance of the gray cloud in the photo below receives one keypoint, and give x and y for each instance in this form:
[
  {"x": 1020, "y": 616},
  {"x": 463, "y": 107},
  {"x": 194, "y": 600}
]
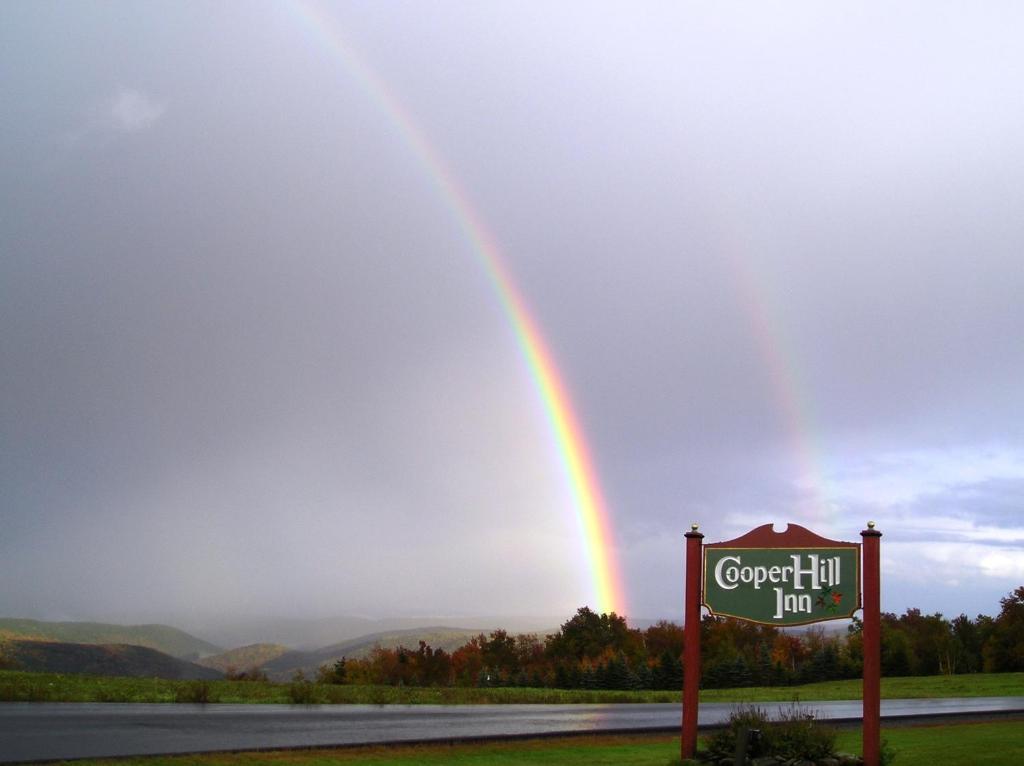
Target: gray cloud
[{"x": 251, "y": 363}]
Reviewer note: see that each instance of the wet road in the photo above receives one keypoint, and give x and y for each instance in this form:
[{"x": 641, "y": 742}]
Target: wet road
[{"x": 39, "y": 731}]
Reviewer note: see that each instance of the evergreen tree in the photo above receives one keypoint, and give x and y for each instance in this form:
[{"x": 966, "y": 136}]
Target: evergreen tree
[
  {"x": 739, "y": 674},
  {"x": 668, "y": 673},
  {"x": 763, "y": 670},
  {"x": 588, "y": 678},
  {"x": 617, "y": 675},
  {"x": 644, "y": 676}
]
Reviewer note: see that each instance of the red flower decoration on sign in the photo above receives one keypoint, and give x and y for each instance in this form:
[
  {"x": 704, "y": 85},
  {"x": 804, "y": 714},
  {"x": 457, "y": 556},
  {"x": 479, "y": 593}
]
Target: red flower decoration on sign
[{"x": 829, "y": 599}]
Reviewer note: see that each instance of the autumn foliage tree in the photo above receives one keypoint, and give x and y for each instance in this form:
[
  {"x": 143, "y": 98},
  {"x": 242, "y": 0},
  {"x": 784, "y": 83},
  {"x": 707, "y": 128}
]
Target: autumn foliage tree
[
  {"x": 601, "y": 651},
  {"x": 1004, "y": 649}
]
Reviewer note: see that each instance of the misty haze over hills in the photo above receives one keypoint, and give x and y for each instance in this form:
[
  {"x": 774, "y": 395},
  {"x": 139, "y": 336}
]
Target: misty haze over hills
[
  {"x": 314, "y": 634},
  {"x": 156, "y": 650},
  {"x": 207, "y": 638}
]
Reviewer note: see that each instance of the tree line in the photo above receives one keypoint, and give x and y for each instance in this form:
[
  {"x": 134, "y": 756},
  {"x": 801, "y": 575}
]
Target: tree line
[{"x": 600, "y": 651}]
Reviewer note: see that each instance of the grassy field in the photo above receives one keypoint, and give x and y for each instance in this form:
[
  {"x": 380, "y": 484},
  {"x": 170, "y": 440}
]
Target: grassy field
[
  {"x": 53, "y": 687},
  {"x": 976, "y": 743}
]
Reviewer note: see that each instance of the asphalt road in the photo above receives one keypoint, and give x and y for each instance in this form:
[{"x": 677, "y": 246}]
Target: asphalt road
[{"x": 43, "y": 731}]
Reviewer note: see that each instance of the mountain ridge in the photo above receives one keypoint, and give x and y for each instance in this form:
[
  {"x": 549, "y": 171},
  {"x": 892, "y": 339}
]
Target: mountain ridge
[
  {"x": 308, "y": 662},
  {"x": 100, "y": 660},
  {"x": 162, "y": 638}
]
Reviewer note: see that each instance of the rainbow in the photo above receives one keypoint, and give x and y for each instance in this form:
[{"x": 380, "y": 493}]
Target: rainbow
[
  {"x": 590, "y": 509},
  {"x": 781, "y": 364}
]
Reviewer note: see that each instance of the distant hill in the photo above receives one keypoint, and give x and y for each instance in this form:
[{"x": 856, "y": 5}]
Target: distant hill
[
  {"x": 244, "y": 657},
  {"x": 100, "y": 660},
  {"x": 163, "y": 638},
  {"x": 285, "y": 666},
  {"x": 311, "y": 634}
]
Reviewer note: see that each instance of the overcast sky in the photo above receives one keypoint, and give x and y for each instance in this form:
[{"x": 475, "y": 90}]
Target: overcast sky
[{"x": 251, "y": 363}]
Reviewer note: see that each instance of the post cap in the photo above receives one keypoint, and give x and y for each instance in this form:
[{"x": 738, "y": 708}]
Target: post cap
[
  {"x": 870, "y": 531},
  {"x": 694, "y": 527}
]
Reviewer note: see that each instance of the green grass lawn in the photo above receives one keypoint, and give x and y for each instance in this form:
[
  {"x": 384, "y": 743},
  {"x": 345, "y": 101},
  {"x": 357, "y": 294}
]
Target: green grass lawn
[
  {"x": 969, "y": 743},
  {"x": 976, "y": 743},
  {"x": 54, "y": 687},
  {"x": 912, "y": 687}
]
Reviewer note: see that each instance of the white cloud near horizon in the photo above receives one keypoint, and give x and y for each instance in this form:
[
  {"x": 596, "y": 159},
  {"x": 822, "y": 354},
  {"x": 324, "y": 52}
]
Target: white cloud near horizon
[
  {"x": 899, "y": 478},
  {"x": 949, "y": 563}
]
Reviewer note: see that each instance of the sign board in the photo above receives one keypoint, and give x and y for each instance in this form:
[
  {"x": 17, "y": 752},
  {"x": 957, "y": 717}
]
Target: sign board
[{"x": 782, "y": 578}]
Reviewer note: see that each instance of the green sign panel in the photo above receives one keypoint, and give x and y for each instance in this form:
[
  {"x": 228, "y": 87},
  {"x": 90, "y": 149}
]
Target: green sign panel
[{"x": 782, "y": 585}]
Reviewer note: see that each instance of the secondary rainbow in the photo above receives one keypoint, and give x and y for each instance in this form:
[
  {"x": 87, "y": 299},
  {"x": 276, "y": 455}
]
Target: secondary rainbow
[
  {"x": 588, "y": 501},
  {"x": 780, "y": 361}
]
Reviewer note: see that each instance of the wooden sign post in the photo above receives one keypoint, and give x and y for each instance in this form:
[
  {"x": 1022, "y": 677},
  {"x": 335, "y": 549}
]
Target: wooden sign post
[
  {"x": 872, "y": 637},
  {"x": 786, "y": 578},
  {"x": 691, "y": 642}
]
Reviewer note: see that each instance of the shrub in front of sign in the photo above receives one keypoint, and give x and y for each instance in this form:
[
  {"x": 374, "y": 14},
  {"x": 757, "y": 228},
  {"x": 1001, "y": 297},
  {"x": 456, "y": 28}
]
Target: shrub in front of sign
[
  {"x": 792, "y": 735},
  {"x": 795, "y": 733},
  {"x": 722, "y": 743}
]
